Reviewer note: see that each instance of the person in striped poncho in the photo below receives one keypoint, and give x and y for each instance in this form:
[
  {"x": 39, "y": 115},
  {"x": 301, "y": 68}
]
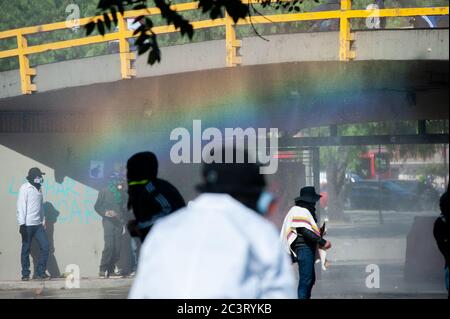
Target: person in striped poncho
[{"x": 302, "y": 238}]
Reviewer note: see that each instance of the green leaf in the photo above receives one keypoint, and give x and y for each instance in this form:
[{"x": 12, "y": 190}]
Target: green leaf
[
  {"x": 153, "y": 57},
  {"x": 144, "y": 48},
  {"x": 90, "y": 27},
  {"x": 107, "y": 20},
  {"x": 114, "y": 15},
  {"x": 139, "y": 6},
  {"x": 148, "y": 23},
  {"x": 100, "y": 27}
]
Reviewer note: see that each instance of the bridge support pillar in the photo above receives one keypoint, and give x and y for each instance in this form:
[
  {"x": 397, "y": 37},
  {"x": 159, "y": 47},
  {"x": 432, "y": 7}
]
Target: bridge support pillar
[
  {"x": 346, "y": 37},
  {"x": 25, "y": 71},
  {"x": 232, "y": 44},
  {"x": 126, "y": 57}
]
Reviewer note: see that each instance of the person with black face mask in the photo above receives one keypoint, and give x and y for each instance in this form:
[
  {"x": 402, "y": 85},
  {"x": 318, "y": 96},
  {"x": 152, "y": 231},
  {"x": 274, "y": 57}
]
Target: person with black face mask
[
  {"x": 30, "y": 217},
  {"x": 149, "y": 197},
  {"x": 111, "y": 206},
  {"x": 302, "y": 238}
]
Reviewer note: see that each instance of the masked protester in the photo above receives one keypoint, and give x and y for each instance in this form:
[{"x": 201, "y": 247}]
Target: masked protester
[
  {"x": 149, "y": 197},
  {"x": 302, "y": 238},
  {"x": 111, "y": 206},
  {"x": 220, "y": 245},
  {"x": 31, "y": 220},
  {"x": 441, "y": 231}
]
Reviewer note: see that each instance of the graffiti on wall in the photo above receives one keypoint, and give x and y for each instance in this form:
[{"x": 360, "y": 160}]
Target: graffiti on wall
[{"x": 73, "y": 201}]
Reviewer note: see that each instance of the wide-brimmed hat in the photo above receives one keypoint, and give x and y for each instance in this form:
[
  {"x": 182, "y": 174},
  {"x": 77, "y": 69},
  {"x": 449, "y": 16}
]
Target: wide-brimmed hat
[{"x": 308, "y": 194}]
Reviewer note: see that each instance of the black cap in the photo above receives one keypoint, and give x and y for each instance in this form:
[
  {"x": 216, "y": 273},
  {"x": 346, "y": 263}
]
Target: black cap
[
  {"x": 142, "y": 166},
  {"x": 34, "y": 172},
  {"x": 308, "y": 194},
  {"x": 232, "y": 178}
]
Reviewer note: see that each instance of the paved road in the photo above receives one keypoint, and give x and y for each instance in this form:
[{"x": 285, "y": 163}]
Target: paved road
[
  {"x": 348, "y": 280},
  {"x": 97, "y": 293},
  {"x": 90, "y": 288},
  {"x": 345, "y": 278}
]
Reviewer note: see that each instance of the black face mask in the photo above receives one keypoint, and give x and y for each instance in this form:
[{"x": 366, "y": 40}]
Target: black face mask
[
  {"x": 32, "y": 182},
  {"x": 311, "y": 207}
]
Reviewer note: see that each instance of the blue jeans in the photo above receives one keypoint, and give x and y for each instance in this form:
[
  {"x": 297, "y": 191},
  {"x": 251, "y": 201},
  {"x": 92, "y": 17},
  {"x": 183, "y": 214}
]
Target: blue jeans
[
  {"x": 305, "y": 260},
  {"x": 134, "y": 254},
  {"x": 28, "y": 233}
]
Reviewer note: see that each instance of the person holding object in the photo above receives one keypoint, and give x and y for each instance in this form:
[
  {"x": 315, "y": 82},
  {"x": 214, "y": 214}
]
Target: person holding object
[
  {"x": 322, "y": 252},
  {"x": 31, "y": 220},
  {"x": 111, "y": 206},
  {"x": 302, "y": 238},
  {"x": 220, "y": 245}
]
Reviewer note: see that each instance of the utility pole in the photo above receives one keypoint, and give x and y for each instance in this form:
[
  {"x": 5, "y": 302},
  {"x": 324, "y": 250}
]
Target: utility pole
[{"x": 377, "y": 167}]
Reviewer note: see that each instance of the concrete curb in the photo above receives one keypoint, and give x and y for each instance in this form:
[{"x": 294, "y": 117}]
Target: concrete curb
[{"x": 60, "y": 283}]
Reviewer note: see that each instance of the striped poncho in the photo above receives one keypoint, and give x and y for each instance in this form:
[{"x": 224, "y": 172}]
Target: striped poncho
[{"x": 296, "y": 217}]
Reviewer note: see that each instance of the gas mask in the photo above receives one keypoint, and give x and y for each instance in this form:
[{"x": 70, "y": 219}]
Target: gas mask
[
  {"x": 38, "y": 180},
  {"x": 264, "y": 202}
]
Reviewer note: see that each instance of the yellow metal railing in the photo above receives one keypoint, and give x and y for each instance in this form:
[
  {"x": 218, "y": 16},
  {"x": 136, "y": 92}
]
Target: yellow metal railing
[{"x": 232, "y": 43}]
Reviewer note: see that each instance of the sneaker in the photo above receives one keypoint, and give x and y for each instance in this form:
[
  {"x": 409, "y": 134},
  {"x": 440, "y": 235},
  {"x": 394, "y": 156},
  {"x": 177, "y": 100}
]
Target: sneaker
[
  {"x": 116, "y": 275},
  {"x": 25, "y": 278},
  {"x": 102, "y": 275},
  {"x": 41, "y": 277}
]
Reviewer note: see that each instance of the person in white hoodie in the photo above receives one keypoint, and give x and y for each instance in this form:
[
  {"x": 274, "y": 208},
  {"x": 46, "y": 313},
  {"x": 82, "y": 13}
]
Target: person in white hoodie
[
  {"x": 31, "y": 220},
  {"x": 219, "y": 246}
]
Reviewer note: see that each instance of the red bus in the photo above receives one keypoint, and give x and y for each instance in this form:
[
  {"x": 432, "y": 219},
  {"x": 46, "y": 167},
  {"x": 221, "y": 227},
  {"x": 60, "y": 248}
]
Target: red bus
[{"x": 374, "y": 164}]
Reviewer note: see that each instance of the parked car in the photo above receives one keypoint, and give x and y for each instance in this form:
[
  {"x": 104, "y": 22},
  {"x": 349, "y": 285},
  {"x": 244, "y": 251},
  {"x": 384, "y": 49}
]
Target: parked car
[
  {"x": 427, "y": 195},
  {"x": 384, "y": 194}
]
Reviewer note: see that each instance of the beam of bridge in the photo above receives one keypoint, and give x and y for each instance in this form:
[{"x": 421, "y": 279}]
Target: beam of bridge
[
  {"x": 411, "y": 139},
  {"x": 290, "y": 95}
]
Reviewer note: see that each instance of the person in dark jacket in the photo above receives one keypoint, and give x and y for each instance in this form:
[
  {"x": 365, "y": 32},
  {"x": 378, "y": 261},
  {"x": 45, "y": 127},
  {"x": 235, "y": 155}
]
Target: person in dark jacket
[
  {"x": 149, "y": 197},
  {"x": 111, "y": 206},
  {"x": 301, "y": 233},
  {"x": 441, "y": 233}
]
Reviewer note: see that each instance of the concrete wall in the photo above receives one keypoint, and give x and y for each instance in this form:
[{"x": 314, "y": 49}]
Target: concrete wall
[
  {"x": 426, "y": 44},
  {"x": 74, "y": 229}
]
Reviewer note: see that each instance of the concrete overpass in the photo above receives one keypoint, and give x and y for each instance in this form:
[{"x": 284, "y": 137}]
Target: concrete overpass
[
  {"x": 391, "y": 66},
  {"x": 392, "y": 45}
]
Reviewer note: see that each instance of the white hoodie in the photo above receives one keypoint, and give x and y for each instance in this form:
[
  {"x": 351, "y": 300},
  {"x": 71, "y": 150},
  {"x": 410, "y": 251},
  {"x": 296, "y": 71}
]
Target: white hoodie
[
  {"x": 29, "y": 206},
  {"x": 214, "y": 248}
]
